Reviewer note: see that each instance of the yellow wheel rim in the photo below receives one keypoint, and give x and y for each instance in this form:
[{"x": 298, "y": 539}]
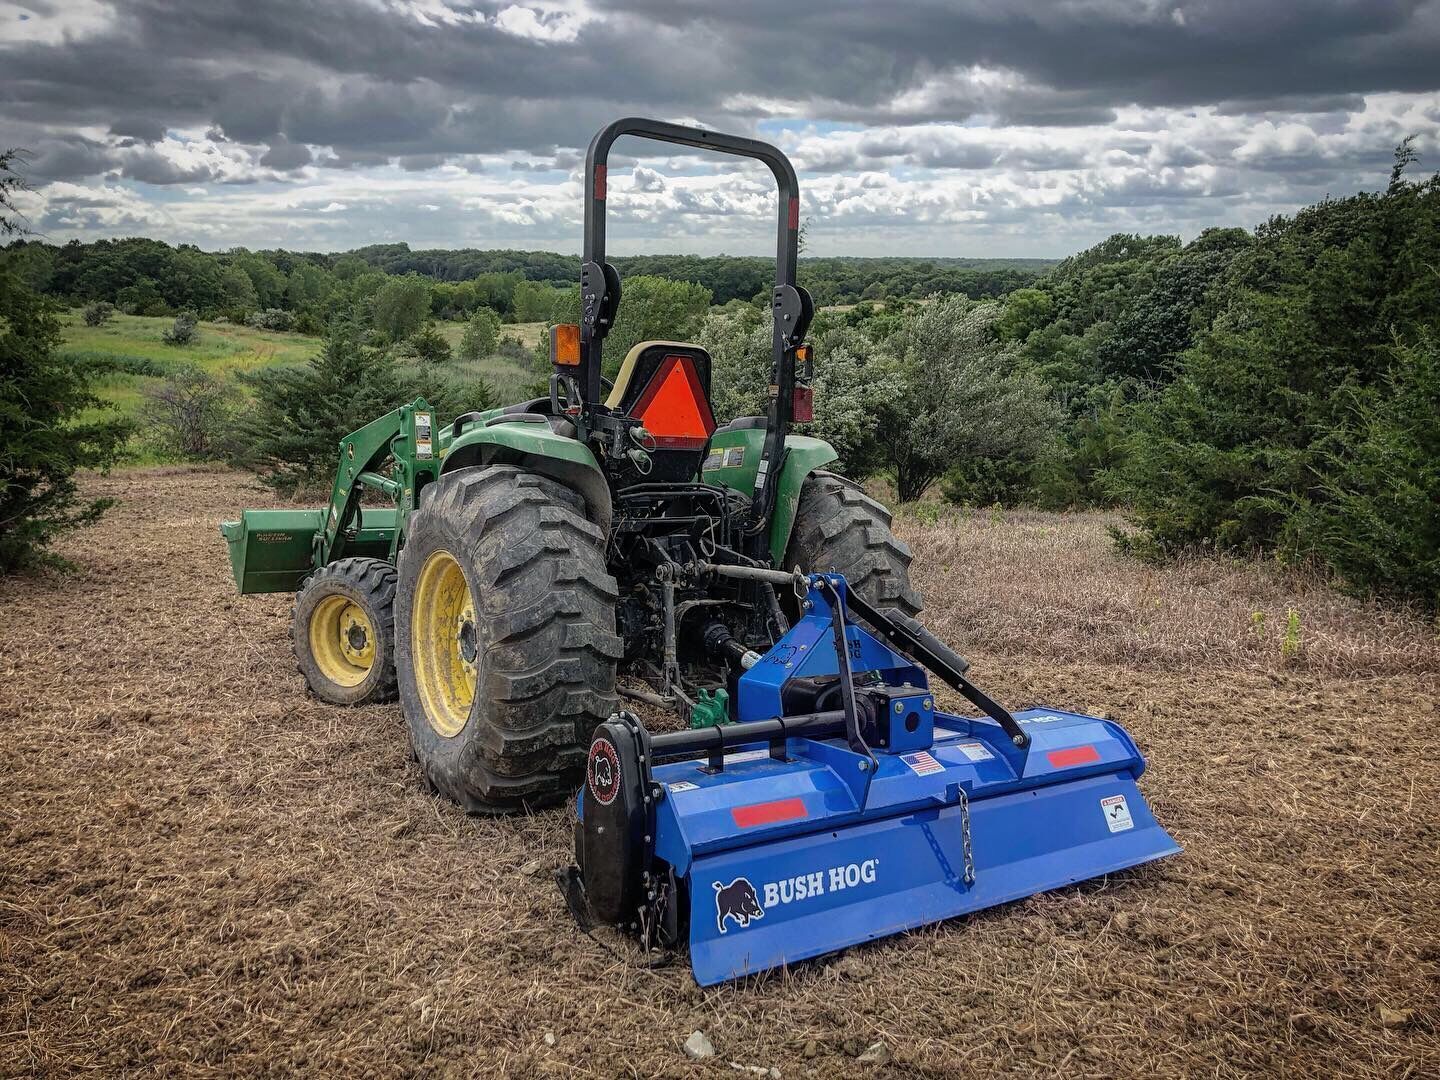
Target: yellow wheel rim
[
  {"x": 445, "y": 643},
  {"x": 342, "y": 640}
]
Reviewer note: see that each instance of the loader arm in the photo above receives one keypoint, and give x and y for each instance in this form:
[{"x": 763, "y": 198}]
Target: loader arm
[{"x": 408, "y": 435}]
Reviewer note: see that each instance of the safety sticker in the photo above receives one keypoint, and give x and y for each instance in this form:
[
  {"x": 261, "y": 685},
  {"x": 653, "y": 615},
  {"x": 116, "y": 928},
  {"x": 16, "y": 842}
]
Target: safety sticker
[
  {"x": 976, "y": 751},
  {"x": 734, "y": 456},
  {"x": 422, "y": 435},
  {"x": 682, "y": 785},
  {"x": 715, "y": 460},
  {"x": 1117, "y": 813},
  {"x": 746, "y": 755},
  {"x": 921, "y": 763},
  {"x": 1046, "y": 718}
]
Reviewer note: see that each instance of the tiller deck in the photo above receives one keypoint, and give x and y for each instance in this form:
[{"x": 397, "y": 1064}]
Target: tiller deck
[{"x": 842, "y": 806}]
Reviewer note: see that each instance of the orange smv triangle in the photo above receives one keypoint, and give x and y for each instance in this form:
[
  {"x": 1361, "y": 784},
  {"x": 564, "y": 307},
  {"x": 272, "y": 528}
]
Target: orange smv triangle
[{"x": 673, "y": 407}]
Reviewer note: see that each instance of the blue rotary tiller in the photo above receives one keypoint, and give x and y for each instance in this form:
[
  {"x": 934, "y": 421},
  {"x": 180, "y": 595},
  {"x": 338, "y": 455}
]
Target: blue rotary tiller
[{"x": 842, "y": 806}]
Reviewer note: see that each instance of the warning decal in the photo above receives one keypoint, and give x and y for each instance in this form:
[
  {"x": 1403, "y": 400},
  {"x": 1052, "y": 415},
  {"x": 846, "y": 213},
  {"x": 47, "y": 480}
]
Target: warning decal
[
  {"x": 1117, "y": 813},
  {"x": 921, "y": 763},
  {"x": 746, "y": 755},
  {"x": 976, "y": 751},
  {"x": 682, "y": 785}
]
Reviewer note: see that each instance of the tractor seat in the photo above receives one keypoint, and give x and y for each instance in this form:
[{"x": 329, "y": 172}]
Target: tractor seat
[{"x": 666, "y": 386}]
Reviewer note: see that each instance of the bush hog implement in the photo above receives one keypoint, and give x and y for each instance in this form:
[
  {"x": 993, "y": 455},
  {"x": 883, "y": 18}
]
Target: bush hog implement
[{"x": 525, "y": 560}]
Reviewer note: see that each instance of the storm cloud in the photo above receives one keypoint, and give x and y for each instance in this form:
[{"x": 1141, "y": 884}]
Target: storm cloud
[{"x": 920, "y": 126}]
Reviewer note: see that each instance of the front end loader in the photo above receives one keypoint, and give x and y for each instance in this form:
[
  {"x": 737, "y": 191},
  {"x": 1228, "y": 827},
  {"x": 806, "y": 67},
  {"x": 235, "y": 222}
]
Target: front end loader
[{"x": 513, "y": 576}]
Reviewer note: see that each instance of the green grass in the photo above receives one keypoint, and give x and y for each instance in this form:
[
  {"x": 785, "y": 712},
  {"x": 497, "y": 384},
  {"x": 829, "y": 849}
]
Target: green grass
[{"x": 129, "y": 356}]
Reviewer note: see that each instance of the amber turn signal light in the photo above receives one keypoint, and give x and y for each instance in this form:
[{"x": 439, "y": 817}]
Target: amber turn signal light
[{"x": 565, "y": 344}]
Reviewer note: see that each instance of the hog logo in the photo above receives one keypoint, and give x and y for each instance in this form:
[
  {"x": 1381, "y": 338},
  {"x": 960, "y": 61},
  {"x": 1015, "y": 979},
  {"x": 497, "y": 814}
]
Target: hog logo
[
  {"x": 604, "y": 770},
  {"x": 737, "y": 901}
]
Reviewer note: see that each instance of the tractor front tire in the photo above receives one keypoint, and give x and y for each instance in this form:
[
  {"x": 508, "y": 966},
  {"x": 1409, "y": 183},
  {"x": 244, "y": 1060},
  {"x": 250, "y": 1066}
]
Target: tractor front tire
[
  {"x": 506, "y": 643},
  {"x": 343, "y": 632},
  {"x": 840, "y": 528}
]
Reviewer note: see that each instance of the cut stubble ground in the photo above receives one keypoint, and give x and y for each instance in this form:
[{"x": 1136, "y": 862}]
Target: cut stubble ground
[{"x": 205, "y": 872}]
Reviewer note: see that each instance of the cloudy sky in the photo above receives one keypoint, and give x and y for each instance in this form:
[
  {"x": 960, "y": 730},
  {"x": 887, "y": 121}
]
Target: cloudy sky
[{"x": 920, "y": 127}]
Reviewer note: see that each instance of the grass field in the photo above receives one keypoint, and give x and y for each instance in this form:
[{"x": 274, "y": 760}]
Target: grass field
[
  {"x": 225, "y": 349},
  {"x": 221, "y": 349},
  {"x": 204, "y": 872}
]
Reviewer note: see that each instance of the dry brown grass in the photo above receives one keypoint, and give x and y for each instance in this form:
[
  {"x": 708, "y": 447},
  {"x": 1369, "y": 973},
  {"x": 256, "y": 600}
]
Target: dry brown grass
[
  {"x": 203, "y": 872},
  {"x": 1051, "y": 585}
]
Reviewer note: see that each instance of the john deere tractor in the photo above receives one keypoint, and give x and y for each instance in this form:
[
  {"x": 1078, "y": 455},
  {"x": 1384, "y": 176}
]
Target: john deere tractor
[{"x": 514, "y": 573}]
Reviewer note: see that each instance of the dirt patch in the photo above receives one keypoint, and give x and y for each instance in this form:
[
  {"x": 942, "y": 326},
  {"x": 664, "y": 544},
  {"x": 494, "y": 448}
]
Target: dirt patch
[{"x": 202, "y": 871}]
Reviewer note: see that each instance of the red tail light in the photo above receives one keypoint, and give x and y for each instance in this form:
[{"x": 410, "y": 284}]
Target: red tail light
[{"x": 802, "y": 405}]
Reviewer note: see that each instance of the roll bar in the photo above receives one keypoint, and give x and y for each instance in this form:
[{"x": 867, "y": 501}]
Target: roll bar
[{"x": 600, "y": 283}]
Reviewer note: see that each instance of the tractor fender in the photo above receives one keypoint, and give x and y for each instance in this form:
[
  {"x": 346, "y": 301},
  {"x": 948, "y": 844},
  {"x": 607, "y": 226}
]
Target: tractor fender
[
  {"x": 540, "y": 449},
  {"x": 803, "y": 455}
]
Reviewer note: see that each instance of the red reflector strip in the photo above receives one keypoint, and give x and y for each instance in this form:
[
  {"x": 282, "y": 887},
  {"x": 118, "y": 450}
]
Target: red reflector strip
[
  {"x": 794, "y": 214},
  {"x": 1074, "y": 755},
  {"x": 599, "y": 181},
  {"x": 768, "y": 813}
]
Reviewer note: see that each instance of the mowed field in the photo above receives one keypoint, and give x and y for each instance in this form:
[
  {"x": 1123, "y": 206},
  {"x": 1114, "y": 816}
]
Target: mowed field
[{"x": 205, "y": 872}]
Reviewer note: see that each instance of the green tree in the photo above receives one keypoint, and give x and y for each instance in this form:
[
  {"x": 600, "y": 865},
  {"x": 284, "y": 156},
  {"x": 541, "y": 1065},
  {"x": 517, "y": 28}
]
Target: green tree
[
  {"x": 651, "y": 309},
  {"x": 534, "y": 301},
  {"x": 961, "y": 393},
  {"x": 299, "y": 414},
  {"x": 184, "y": 330},
  {"x": 51, "y": 426},
  {"x": 239, "y": 291},
  {"x": 1025, "y": 310},
  {"x": 428, "y": 345},
  {"x": 1315, "y": 350},
  {"x": 739, "y": 343},
  {"x": 141, "y": 298},
  {"x": 1374, "y": 518},
  {"x": 401, "y": 306},
  {"x": 97, "y": 313},
  {"x": 266, "y": 279},
  {"x": 497, "y": 291},
  {"x": 482, "y": 334}
]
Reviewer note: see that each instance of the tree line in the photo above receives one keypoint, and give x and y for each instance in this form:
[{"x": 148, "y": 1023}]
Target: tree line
[
  {"x": 1271, "y": 392},
  {"x": 148, "y": 277},
  {"x": 1268, "y": 391}
]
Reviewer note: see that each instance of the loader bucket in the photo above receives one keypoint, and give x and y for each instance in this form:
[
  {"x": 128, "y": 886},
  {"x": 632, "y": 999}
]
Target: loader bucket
[
  {"x": 273, "y": 550},
  {"x": 783, "y": 863}
]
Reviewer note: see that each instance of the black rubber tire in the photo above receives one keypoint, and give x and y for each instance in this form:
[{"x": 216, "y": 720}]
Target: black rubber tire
[
  {"x": 838, "y": 527},
  {"x": 546, "y": 646},
  {"x": 370, "y": 584}
]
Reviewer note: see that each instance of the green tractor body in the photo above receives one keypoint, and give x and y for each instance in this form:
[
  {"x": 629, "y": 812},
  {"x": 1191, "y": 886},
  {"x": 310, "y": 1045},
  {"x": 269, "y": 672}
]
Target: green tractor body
[
  {"x": 276, "y": 550},
  {"x": 510, "y": 575}
]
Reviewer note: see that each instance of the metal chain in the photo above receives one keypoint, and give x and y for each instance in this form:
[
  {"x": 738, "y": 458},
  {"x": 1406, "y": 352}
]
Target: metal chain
[{"x": 965, "y": 833}]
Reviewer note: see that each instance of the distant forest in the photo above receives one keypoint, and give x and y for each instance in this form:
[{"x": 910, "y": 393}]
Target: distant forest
[{"x": 148, "y": 277}]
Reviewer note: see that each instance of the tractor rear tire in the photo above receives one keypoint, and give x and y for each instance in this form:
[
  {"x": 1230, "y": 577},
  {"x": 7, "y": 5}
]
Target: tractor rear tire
[
  {"x": 506, "y": 643},
  {"x": 838, "y": 527},
  {"x": 343, "y": 632}
]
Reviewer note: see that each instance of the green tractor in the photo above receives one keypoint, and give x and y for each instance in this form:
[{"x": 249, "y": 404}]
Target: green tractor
[{"x": 537, "y": 563}]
